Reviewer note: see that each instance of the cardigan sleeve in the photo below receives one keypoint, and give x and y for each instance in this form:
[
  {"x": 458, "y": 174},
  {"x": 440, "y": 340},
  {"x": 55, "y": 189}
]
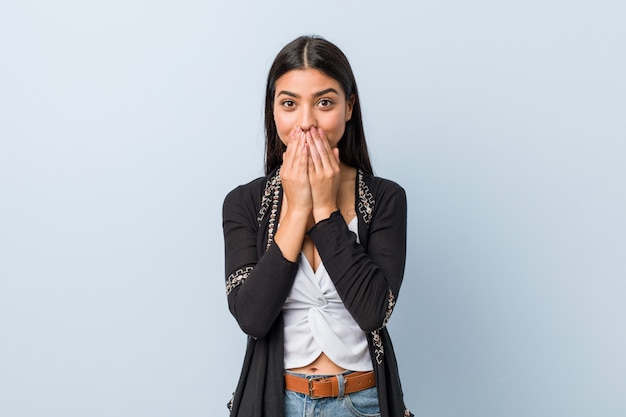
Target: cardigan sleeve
[
  {"x": 367, "y": 280},
  {"x": 256, "y": 287}
]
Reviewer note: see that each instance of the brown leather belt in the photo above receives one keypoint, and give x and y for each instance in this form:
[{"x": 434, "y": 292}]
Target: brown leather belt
[{"x": 329, "y": 386}]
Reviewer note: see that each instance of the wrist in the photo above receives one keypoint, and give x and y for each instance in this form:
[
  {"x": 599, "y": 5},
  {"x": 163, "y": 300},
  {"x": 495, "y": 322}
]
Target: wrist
[
  {"x": 323, "y": 213},
  {"x": 298, "y": 212}
]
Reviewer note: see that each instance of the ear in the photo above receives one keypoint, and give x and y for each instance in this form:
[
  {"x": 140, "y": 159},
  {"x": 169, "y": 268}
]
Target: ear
[{"x": 350, "y": 106}]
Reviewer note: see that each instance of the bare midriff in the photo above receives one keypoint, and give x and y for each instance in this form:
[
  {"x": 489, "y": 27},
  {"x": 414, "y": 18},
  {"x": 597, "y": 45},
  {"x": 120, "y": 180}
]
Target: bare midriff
[{"x": 320, "y": 366}]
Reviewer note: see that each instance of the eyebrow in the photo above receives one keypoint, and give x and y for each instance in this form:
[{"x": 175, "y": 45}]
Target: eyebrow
[{"x": 318, "y": 94}]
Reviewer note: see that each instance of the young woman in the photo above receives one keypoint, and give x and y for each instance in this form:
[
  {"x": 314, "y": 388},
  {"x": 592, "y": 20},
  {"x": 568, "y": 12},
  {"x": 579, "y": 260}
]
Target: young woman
[{"x": 315, "y": 252}]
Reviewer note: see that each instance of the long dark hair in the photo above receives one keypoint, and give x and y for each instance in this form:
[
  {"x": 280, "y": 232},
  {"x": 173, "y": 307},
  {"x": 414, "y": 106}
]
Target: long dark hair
[{"x": 316, "y": 53}]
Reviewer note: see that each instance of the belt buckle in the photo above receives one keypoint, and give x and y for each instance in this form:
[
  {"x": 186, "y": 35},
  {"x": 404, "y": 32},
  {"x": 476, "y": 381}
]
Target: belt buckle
[{"x": 311, "y": 381}]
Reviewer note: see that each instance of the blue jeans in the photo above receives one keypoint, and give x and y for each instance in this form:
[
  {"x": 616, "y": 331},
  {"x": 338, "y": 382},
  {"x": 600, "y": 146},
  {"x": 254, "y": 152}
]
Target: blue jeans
[{"x": 358, "y": 404}]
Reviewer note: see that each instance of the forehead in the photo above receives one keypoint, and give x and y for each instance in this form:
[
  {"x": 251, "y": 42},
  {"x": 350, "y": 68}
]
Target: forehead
[{"x": 305, "y": 82}]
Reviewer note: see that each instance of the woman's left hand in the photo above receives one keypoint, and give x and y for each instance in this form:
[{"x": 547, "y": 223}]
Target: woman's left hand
[{"x": 324, "y": 174}]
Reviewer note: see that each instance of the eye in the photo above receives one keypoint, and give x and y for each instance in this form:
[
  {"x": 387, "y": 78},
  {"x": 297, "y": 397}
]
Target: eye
[
  {"x": 288, "y": 104},
  {"x": 325, "y": 102}
]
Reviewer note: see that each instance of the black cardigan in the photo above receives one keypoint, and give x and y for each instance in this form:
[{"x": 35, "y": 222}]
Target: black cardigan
[{"x": 258, "y": 279}]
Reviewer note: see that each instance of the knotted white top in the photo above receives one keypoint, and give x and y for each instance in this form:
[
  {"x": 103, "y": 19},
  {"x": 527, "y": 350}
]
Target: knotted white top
[{"x": 316, "y": 321}]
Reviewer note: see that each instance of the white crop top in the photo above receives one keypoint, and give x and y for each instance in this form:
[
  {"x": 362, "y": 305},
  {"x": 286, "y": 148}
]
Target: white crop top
[{"x": 316, "y": 321}]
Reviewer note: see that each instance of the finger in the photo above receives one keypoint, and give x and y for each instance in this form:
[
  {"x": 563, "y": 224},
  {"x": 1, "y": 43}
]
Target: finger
[
  {"x": 302, "y": 153},
  {"x": 323, "y": 148},
  {"x": 324, "y": 140},
  {"x": 314, "y": 155},
  {"x": 287, "y": 158},
  {"x": 294, "y": 148}
]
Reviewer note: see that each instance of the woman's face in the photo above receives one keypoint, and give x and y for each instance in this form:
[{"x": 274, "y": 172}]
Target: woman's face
[{"x": 308, "y": 97}]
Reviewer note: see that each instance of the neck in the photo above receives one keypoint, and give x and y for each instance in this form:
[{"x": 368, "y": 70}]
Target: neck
[{"x": 348, "y": 173}]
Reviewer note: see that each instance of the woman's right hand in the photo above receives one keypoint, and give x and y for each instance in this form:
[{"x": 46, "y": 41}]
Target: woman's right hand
[
  {"x": 294, "y": 174},
  {"x": 297, "y": 199}
]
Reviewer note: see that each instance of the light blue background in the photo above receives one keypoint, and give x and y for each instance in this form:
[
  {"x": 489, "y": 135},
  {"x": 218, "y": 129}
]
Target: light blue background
[{"x": 123, "y": 124}]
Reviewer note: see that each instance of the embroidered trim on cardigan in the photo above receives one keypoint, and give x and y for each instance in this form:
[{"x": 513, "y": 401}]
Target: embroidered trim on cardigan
[
  {"x": 230, "y": 403},
  {"x": 272, "y": 187},
  {"x": 378, "y": 343},
  {"x": 237, "y": 278},
  {"x": 366, "y": 200},
  {"x": 379, "y": 351},
  {"x": 271, "y": 194},
  {"x": 391, "y": 302}
]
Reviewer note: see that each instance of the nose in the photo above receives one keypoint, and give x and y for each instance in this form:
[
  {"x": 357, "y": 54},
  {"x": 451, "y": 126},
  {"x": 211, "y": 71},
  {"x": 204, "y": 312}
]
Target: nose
[{"x": 307, "y": 119}]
